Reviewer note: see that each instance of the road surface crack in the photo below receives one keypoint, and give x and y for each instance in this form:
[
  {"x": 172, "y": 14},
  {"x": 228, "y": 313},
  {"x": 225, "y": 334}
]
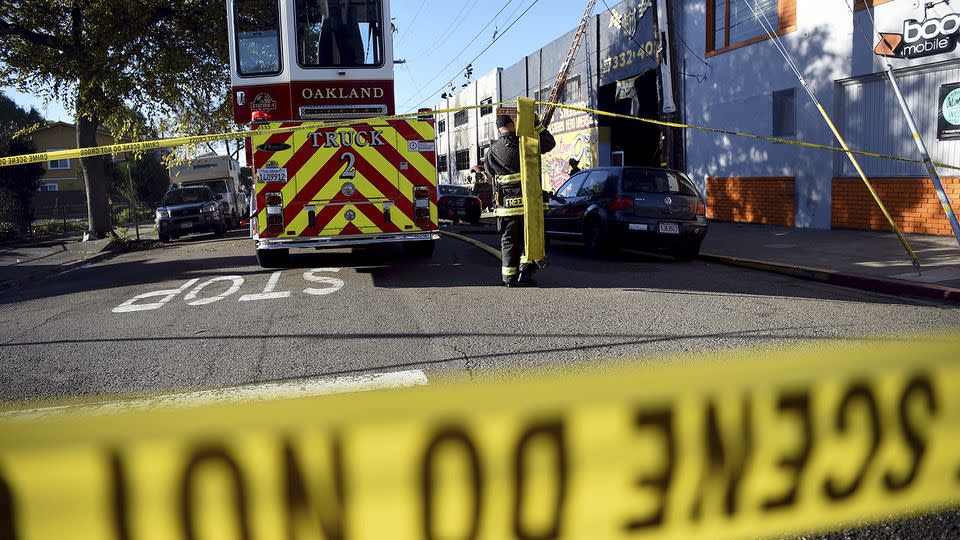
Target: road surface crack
[{"x": 469, "y": 364}]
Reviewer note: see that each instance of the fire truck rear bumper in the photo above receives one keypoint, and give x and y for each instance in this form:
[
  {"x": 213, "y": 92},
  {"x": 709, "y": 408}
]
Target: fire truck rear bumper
[{"x": 321, "y": 242}]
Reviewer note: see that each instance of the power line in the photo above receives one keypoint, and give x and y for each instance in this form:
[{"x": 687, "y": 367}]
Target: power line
[
  {"x": 462, "y": 50},
  {"x": 485, "y": 49},
  {"x": 459, "y": 19},
  {"x": 414, "y": 20}
]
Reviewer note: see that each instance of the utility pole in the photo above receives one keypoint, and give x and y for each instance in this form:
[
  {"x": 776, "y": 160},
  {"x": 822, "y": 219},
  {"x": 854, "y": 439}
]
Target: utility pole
[
  {"x": 136, "y": 219},
  {"x": 927, "y": 162}
]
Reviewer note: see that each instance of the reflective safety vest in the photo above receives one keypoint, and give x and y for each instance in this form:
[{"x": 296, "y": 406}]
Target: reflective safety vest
[{"x": 509, "y": 196}]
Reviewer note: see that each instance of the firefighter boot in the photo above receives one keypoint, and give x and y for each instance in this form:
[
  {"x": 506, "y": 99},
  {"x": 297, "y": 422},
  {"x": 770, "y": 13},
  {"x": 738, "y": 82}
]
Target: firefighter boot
[{"x": 526, "y": 275}]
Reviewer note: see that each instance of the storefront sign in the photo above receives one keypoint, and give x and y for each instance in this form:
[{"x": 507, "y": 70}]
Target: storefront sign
[
  {"x": 936, "y": 35},
  {"x": 948, "y": 124}
]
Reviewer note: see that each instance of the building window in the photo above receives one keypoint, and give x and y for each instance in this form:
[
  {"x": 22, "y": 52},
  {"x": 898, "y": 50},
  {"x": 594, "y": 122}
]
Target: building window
[
  {"x": 441, "y": 126},
  {"x": 463, "y": 160},
  {"x": 58, "y": 164},
  {"x": 571, "y": 90},
  {"x": 732, "y": 24},
  {"x": 784, "y": 113},
  {"x": 442, "y": 163},
  {"x": 487, "y": 107},
  {"x": 49, "y": 187},
  {"x": 483, "y": 152},
  {"x": 460, "y": 118}
]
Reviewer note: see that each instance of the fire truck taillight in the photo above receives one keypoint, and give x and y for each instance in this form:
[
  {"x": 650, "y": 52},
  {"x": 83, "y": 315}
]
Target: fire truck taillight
[
  {"x": 421, "y": 203},
  {"x": 274, "y": 207}
]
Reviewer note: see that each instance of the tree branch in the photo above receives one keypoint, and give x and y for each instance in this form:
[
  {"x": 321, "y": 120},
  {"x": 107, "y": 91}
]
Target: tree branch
[{"x": 36, "y": 38}]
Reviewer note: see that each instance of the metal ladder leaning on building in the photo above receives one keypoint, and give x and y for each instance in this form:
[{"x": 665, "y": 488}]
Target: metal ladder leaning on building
[{"x": 561, "y": 79}]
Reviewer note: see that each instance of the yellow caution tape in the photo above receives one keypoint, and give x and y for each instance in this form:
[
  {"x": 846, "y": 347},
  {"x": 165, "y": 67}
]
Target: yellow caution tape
[
  {"x": 197, "y": 139},
  {"x": 750, "y": 444},
  {"x": 534, "y": 244},
  {"x": 310, "y": 126},
  {"x": 747, "y": 135}
]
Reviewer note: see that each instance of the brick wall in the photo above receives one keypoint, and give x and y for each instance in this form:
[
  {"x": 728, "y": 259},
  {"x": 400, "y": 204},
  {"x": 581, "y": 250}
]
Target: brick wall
[
  {"x": 751, "y": 200},
  {"x": 912, "y": 202}
]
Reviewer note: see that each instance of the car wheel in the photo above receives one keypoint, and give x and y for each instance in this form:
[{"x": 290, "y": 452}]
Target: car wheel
[
  {"x": 593, "y": 239},
  {"x": 421, "y": 249},
  {"x": 165, "y": 238},
  {"x": 219, "y": 229},
  {"x": 688, "y": 252},
  {"x": 273, "y": 258}
]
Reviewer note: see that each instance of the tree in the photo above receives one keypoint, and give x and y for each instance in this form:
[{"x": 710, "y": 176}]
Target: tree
[
  {"x": 148, "y": 175},
  {"x": 106, "y": 59},
  {"x": 17, "y": 184}
]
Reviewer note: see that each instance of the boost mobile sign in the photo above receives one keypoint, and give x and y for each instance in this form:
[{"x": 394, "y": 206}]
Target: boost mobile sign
[{"x": 928, "y": 37}]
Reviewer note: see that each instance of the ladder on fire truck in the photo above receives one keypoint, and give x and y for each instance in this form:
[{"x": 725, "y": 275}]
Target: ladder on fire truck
[{"x": 561, "y": 80}]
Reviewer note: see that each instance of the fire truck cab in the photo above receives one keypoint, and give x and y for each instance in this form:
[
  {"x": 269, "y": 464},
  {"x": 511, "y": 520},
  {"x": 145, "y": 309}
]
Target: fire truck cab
[{"x": 373, "y": 181}]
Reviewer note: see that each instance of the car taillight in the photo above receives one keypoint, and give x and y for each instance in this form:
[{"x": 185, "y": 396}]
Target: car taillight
[
  {"x": 623, "y": 203},
  {"x": 274, "y": 207},
  {"x": 474, "y": 201},
  {"x": 421, "y": 203},
  {"x": 701, "y": 208}
]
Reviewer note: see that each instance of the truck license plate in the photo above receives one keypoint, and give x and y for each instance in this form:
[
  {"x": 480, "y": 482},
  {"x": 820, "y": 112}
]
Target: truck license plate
[
  {"x": 267, "y": 176},
  {"x": 669, "y": 228}
]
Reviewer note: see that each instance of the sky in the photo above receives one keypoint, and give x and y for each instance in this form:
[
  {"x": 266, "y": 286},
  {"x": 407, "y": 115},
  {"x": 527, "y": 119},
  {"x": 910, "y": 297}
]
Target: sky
[{"x": 432, "y": 33}]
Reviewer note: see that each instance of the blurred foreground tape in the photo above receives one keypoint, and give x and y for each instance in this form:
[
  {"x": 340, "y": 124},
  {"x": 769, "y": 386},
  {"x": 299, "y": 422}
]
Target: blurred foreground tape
[{"x": 755, "y": 444}]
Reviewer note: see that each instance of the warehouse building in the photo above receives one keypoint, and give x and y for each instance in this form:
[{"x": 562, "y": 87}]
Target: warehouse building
[
  {"x": 615, "y": 70},
  {"x": 732, "y": 76}
]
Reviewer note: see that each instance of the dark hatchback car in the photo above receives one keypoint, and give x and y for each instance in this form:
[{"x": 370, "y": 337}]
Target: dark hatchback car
[
  {"x": 190, "y": 210},
  {"x": 458, "y": 203},
  {"x": 639, "y": 207}
]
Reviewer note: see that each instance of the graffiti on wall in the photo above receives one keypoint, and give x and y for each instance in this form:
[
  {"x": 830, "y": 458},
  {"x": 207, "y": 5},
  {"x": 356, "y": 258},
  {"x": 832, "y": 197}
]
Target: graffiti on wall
[{"x": 580, "y": 145}]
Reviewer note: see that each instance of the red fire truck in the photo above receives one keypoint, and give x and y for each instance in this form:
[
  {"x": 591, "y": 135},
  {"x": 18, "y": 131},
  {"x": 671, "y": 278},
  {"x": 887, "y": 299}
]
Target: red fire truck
[{"x": 299, "y": 61}]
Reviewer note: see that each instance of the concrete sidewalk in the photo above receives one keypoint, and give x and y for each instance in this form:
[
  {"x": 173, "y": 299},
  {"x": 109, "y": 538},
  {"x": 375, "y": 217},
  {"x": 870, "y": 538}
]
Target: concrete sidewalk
[
  {"x": 862, "y": 259},
  {"x": 30, "y": 260}
]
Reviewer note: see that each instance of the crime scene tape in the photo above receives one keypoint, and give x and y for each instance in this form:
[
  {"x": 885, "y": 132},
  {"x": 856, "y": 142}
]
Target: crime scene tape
[
  {"x": 172, "y": 142},
  {"x": 310, "y": 126},
  {"x": 748, "y": 444},
  {"x": 748, "y": 135}
]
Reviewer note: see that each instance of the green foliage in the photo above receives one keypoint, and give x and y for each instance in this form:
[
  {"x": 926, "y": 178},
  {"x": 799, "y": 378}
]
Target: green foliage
[
  {"x": 53, "y": 227},
  {"x": 130, "y": 215},
  {"x": 123, "y": 64},
  {"x": 17, "y": 184},
  {"x": 149, "y": 176}
]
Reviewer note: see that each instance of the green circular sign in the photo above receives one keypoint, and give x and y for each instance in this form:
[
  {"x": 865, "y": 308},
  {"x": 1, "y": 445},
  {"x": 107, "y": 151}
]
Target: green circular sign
[{"x": 951, "y": 107}]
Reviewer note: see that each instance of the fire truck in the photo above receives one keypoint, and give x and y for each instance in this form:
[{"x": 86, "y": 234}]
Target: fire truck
[{"x": 294, "y": 62}]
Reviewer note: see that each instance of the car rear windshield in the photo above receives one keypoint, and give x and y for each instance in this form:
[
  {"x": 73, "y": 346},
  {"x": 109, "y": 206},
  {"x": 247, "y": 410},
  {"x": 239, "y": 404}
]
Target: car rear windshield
[
  {"x": 186, "y": 196},
  {"x": 454, "y": 190},
  {"x": 647, "y": 181}
]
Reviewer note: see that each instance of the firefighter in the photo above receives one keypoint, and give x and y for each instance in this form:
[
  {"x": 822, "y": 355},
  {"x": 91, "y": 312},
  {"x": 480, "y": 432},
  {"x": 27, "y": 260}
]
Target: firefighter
[{"x": 503, "y": 163}]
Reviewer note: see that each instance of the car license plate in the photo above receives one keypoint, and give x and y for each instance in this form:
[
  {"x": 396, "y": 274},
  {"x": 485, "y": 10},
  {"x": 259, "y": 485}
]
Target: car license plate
[
  {"x": 669, "y": 228},
  {"x": 638, "y": 226},
  {"x": 266, "y": 176}
]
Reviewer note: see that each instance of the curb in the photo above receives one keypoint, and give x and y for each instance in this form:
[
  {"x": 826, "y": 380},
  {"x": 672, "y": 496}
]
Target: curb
[
  {"x": 43, "y": 274},
  {"x": 891, "y": 286}
]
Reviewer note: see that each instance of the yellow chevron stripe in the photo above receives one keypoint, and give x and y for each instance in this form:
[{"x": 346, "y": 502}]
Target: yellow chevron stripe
[{"x": 321, "y": 156}]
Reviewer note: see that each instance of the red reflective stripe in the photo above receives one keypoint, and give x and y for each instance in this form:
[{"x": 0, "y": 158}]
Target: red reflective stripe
[
  {"x": 307, "y": 192},
  {"x": 394, "y": 157},
  {"x": 385, "y": 187},
  {"x": 351, "y": 229}
]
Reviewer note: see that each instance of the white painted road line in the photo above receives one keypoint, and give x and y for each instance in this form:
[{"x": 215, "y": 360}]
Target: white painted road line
[{"x": 255, "y": 392}]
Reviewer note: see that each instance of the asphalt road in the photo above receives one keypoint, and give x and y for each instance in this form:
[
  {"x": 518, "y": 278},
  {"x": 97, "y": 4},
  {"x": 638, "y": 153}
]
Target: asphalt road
[{"x": 376, "y": 311}]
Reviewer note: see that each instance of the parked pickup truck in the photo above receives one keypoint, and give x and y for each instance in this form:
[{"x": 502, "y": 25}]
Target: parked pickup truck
[
  {"x": 221, "y": 175},
  {"x": 190, "y": 210}
]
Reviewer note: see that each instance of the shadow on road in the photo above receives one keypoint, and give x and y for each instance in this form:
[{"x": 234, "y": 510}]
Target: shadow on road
[{"x": 454, "y": 265}]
